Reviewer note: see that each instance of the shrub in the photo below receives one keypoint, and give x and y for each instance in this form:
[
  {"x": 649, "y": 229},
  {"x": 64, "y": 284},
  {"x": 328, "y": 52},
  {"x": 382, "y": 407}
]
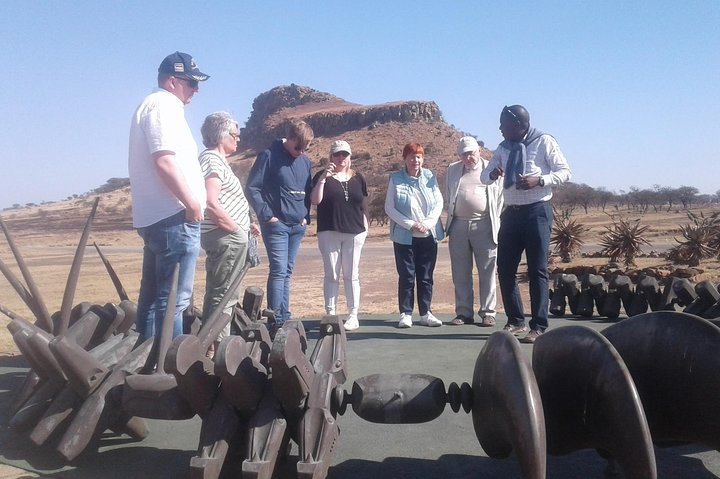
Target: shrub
[
  {"x": 624, "y": 239},
  {"x": 701, "y": 240},
  {"x": 567, "y": 236}
]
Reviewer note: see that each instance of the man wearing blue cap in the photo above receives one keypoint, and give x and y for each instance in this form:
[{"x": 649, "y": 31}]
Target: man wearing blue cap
[{"x": 168, "y": 191}]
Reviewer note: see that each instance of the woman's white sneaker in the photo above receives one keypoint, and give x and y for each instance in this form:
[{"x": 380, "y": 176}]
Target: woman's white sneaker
[
  {"x": 352, "y": 323},
  {"x": 430, "y": 320},
  {"x": 405, "y": 321}
]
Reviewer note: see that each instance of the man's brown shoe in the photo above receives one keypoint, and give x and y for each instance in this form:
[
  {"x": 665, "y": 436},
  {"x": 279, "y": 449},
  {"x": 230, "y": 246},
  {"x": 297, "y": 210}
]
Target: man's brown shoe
[
  {"x": 531, "y": 336},
  {"x": 487, "y": 321},
  {"x": 515, "y": 329}
]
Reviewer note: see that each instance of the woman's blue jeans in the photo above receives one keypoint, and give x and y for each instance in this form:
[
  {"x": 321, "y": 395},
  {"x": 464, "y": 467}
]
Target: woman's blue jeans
[
  {"x": 167, "y": 243},
  {"x": 415, "y": 263},
  {"x": 282, "y": 242}
]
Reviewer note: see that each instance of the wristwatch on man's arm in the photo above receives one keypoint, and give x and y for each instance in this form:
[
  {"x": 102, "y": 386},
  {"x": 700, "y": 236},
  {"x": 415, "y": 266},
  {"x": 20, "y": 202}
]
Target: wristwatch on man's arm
[{"x": 542, "y": 181}]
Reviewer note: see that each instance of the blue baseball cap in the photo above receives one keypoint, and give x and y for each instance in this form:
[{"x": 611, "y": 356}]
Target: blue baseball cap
[{"x": 182, "y": 64}]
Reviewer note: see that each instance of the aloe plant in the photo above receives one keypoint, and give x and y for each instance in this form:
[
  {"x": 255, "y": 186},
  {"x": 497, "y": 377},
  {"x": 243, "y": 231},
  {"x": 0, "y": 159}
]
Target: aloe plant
[
  {"x": 567, "y": 236},
  {"x": 701, "y": 240},
  {"x": 624, "y": 239}
]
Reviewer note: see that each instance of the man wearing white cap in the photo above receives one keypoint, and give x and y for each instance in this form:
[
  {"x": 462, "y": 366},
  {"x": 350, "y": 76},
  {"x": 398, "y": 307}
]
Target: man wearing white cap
[
  {"x": 472, "y": 226},
  {"x": 168, "y": 192}
]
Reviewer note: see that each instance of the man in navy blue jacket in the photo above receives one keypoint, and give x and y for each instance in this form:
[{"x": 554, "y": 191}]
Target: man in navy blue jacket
[{"x": 278, "y": 189}]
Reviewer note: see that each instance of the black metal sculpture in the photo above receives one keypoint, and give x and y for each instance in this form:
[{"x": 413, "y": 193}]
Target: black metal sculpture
[{"x": 616, "y": 392}]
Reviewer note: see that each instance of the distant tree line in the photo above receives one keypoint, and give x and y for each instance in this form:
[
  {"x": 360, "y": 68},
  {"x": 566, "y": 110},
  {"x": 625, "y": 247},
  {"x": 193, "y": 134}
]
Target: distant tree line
[
  {"x": 660, "y": 198},
  {"x": 571, "y": 196}
]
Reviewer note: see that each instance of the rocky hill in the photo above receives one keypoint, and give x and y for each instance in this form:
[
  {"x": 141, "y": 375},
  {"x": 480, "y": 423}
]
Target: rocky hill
[
  {"x": 376, "y": 133},
  {"x": 327, "y": 114}
]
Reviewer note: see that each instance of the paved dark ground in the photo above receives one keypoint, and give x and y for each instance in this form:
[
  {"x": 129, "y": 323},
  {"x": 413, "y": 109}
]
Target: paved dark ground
[{"x": 446, "y": 447}]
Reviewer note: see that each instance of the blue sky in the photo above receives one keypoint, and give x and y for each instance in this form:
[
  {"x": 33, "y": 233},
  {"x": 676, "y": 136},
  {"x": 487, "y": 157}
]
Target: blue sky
[{"x": 629, "y": 89}]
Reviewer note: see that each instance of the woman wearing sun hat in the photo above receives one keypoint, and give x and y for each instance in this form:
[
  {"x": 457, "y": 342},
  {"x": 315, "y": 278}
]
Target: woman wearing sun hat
[{"x": 340, "y": 194}]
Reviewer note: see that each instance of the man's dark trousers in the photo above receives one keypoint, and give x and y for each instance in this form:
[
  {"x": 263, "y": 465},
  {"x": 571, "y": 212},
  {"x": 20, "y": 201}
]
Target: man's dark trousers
[{"x": 525, "y": 228}]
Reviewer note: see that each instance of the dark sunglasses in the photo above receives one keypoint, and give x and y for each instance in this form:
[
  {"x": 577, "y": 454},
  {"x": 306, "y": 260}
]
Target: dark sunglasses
[
  {"x": 190, "y": 82},
  {"x": 344, "y": 154},
  {"x": 507, "y": 110}
]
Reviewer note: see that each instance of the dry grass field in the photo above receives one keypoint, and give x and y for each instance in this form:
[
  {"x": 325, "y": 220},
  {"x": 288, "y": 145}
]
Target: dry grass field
[{"x": 47, "y": 237}]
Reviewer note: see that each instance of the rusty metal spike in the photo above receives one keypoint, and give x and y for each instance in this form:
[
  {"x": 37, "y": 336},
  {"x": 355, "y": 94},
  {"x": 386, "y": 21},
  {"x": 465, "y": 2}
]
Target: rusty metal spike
[
  {"x": 10, "y": 313},
  {"x": 25, "y": 295},
  {"x": 588, "y": 396},
  {"x": 113, "y": 275},
  {"x": 74, "y": 274},
  {"x": 507, "y": 411},
  {"x": 38, "y": 308}
]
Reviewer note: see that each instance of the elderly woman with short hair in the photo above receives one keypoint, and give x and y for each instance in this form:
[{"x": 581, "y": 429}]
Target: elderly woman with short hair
[
  {"x": 224, "y": 231},
  {"x": 414, "y": 203}
]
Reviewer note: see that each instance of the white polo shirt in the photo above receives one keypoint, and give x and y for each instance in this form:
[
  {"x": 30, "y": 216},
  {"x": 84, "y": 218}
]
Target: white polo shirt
[{"x": 159, "y": 125}]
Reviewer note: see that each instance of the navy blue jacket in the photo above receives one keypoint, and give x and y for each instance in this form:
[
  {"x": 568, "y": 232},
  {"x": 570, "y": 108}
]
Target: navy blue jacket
[{"x": 280, "y": 185}]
